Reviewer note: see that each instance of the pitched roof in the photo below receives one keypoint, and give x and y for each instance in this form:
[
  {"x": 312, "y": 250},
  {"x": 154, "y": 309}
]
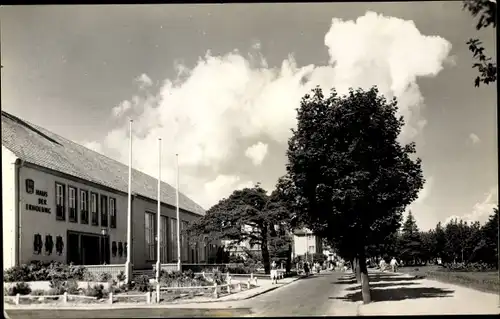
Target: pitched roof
[{"x": 41, "y": 147}]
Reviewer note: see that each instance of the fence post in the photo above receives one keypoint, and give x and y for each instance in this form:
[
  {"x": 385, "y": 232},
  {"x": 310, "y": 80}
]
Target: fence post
[
  {"x": 229, "y": 288},
  {"x": 148, "y": 297},
  {"x": 256, "y": 281},
  {"x": 248, "y": 284},
  {"x": 238, "y": 287},
  {"x": 17, "y": 299},
  {"x": 111, "y": 298},
  {"x": 203, "y": 273},
  {"x": 158, "y": 293},
  {"x": 65, "y": 297},
  {"x": 251, "y": 275},
  {"x": 216, "y": 293}
]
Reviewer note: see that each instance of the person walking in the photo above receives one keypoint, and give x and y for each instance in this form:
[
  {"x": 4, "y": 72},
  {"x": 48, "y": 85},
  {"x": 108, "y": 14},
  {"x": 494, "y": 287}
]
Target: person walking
[
  {"x": 394, "y": 264},
  {"x": 382, "y": 265},
  {"x": 274, "y": 273},
  {"x": 306, "y": 268}
]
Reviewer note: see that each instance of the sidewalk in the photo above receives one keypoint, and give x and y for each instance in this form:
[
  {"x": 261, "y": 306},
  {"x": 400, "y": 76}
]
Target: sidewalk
[
  {"x": 402, "y": 294},
  {"x": 202, "y": 303}
]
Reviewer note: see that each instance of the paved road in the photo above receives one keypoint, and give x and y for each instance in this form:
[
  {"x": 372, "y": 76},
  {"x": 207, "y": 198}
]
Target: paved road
[
  {"x": 305, "y": 297},
  {"x": 126, "y": 313}
]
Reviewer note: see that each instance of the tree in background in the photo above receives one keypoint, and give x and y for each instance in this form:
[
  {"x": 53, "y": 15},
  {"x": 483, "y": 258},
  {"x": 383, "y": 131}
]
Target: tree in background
[
  {"x": 247, "y": 215},
  {"x": 486, "y": 10},
  {"x": 351, "y": 177},
  {"x": 411, "y": 243}
]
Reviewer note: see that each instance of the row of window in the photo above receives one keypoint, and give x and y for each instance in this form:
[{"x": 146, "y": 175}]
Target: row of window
[
  {"x": 82, "y": 204},
  {"x": 150, "y": 230}
]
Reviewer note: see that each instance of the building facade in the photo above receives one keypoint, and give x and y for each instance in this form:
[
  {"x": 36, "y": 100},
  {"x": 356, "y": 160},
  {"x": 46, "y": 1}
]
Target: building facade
[
  {"x": 306, "y": 242},
  {"x": 64, "y": 202}
]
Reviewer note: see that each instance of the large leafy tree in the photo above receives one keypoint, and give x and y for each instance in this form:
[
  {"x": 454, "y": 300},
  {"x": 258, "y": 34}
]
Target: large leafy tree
[
  {"x": 249, "y": 215},
  {"x": 351, "y": 176},
  {"x": 486, "y": 10}
]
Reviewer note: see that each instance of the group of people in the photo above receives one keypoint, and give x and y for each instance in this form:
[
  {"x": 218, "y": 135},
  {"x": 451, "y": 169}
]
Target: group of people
[{"x": 393, "y": 264}]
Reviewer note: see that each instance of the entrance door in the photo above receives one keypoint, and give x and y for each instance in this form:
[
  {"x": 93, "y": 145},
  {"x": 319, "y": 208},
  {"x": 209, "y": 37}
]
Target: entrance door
[
  {"x": 73, "y": 248},
  {"x": 90, "y": 250}
]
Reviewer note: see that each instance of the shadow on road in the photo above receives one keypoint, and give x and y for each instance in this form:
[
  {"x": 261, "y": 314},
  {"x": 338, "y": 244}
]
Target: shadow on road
[
  {"x": 396, "y": 294},
  {"x": 382, "y": 285}
]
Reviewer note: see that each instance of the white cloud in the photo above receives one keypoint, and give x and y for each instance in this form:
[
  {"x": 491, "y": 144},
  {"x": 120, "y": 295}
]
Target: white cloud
[
  {"x": 482, "y": 210},
  {"x": 474, "y": 139},
  {"x": 144, "y": 81},
  {"x": 218, "y": 107},
  {"x": 257, "y": 153},
  {"x": 121, "y": 108},
  {"x": 222, "y": 186}
]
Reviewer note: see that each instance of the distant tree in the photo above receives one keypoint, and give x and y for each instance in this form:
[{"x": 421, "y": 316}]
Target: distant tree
[
  {"x": 453, "y": 242},
  {"x": 246, "y": 215},
  {"x": 440, "y": 242},
  {"x": 487, "y": 12},
  {"x": 428, "y": 243},
  {"x": 411, "y": 242},
  {"x": 351, "y": 177},
  {"x": 488, "y": 247}
]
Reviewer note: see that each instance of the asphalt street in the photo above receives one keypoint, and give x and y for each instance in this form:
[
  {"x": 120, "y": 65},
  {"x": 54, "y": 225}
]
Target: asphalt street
[{"x": 306, "y": 297}]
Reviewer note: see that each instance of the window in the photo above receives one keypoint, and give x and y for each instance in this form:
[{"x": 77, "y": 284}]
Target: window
[
  {"x": 94, "y": 209},
  {"x": 60, "y": 202},
  {"x": 150, "y": 235},
  {"x": 84, "y": 207},
  {"x": 173, "y": 239},
  {"x": 72, "y": 202},
  {"x": 112, "y": 212},
  {"x": 164, "y": 240},
  {"x": 104, "y": 211},
  {"x": 114, "y": 249},
  {"x": 311, "y": 249}
]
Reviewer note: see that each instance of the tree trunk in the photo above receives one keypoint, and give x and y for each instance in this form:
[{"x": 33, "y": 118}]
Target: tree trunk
[
  {"x": 265, "y": 257},
  {"x": 289, "y": 259},
  {"x": 365, "y": 282},
  {"x": 353, "y": 268},
  {"x": 357, "y": 270}
]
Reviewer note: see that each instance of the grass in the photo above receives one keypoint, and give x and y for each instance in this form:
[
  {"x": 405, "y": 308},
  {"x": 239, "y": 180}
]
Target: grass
[{"x": 487, "y": 281}]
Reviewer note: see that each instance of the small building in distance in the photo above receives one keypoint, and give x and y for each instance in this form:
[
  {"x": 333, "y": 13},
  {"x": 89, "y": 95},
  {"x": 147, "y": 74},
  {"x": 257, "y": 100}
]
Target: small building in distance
[
  {"x": 305, "y": 242},
  {"x": 64, "y": 202}
]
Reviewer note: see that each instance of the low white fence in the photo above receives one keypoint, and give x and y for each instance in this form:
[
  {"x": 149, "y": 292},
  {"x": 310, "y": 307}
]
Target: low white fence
[
  {"x": 217, "y": 289},
  {"x": 65, "y": 297},
  {"x": 280, "y": 273}
]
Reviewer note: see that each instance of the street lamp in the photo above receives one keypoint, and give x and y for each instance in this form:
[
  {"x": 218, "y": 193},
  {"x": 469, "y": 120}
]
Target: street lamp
[{"x": 104, "y": 233}]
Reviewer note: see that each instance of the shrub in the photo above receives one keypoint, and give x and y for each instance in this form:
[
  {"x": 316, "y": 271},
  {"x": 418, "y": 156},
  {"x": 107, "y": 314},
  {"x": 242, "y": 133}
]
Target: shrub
[
  {"x": 142, "y": 284},
  {"x": 121, "y": 276},
  {"x": 38, "y": 292},
  {"x": 21, "y": 288},
  {"x": 95, "y": 291},
  {"x": 104, "y": 277}
]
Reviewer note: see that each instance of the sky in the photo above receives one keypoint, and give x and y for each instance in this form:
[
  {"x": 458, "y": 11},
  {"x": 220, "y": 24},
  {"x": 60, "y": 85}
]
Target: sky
[{"x": 219, "y": 84}]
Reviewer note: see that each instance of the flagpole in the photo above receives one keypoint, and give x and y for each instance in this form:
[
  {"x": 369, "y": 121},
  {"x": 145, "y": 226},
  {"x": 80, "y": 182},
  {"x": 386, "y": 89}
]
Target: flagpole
[
  {"x": 158, "y": 220},
  {"x": 128, "y": 263},
  {"x": 178, "y": 216}
]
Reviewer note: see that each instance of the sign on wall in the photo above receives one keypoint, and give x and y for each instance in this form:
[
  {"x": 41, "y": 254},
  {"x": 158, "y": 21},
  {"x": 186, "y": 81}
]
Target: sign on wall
[{"x": 42, "y": 198}]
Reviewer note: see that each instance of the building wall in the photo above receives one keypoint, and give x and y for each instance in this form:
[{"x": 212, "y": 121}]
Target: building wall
[
  {"x": 9, "y": 207},
  {"x": 141, "y": 206},
  {"x": 43, "y": 223},
  {"x": 301, "y": 244}
]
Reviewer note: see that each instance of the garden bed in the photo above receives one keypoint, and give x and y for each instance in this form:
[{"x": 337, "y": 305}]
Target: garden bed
[{"x": 487, "y": 281}]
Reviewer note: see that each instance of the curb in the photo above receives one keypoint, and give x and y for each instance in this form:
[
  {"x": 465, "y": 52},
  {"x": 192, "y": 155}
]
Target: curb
[{"x": 146, "y": 306}]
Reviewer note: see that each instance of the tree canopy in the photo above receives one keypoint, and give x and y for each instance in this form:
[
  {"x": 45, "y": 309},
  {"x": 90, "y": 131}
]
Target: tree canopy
[
  {"x": 247, "y": 215},
  {"x": 486, "y": 10},
  {"x": 350, "y": 177}
]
